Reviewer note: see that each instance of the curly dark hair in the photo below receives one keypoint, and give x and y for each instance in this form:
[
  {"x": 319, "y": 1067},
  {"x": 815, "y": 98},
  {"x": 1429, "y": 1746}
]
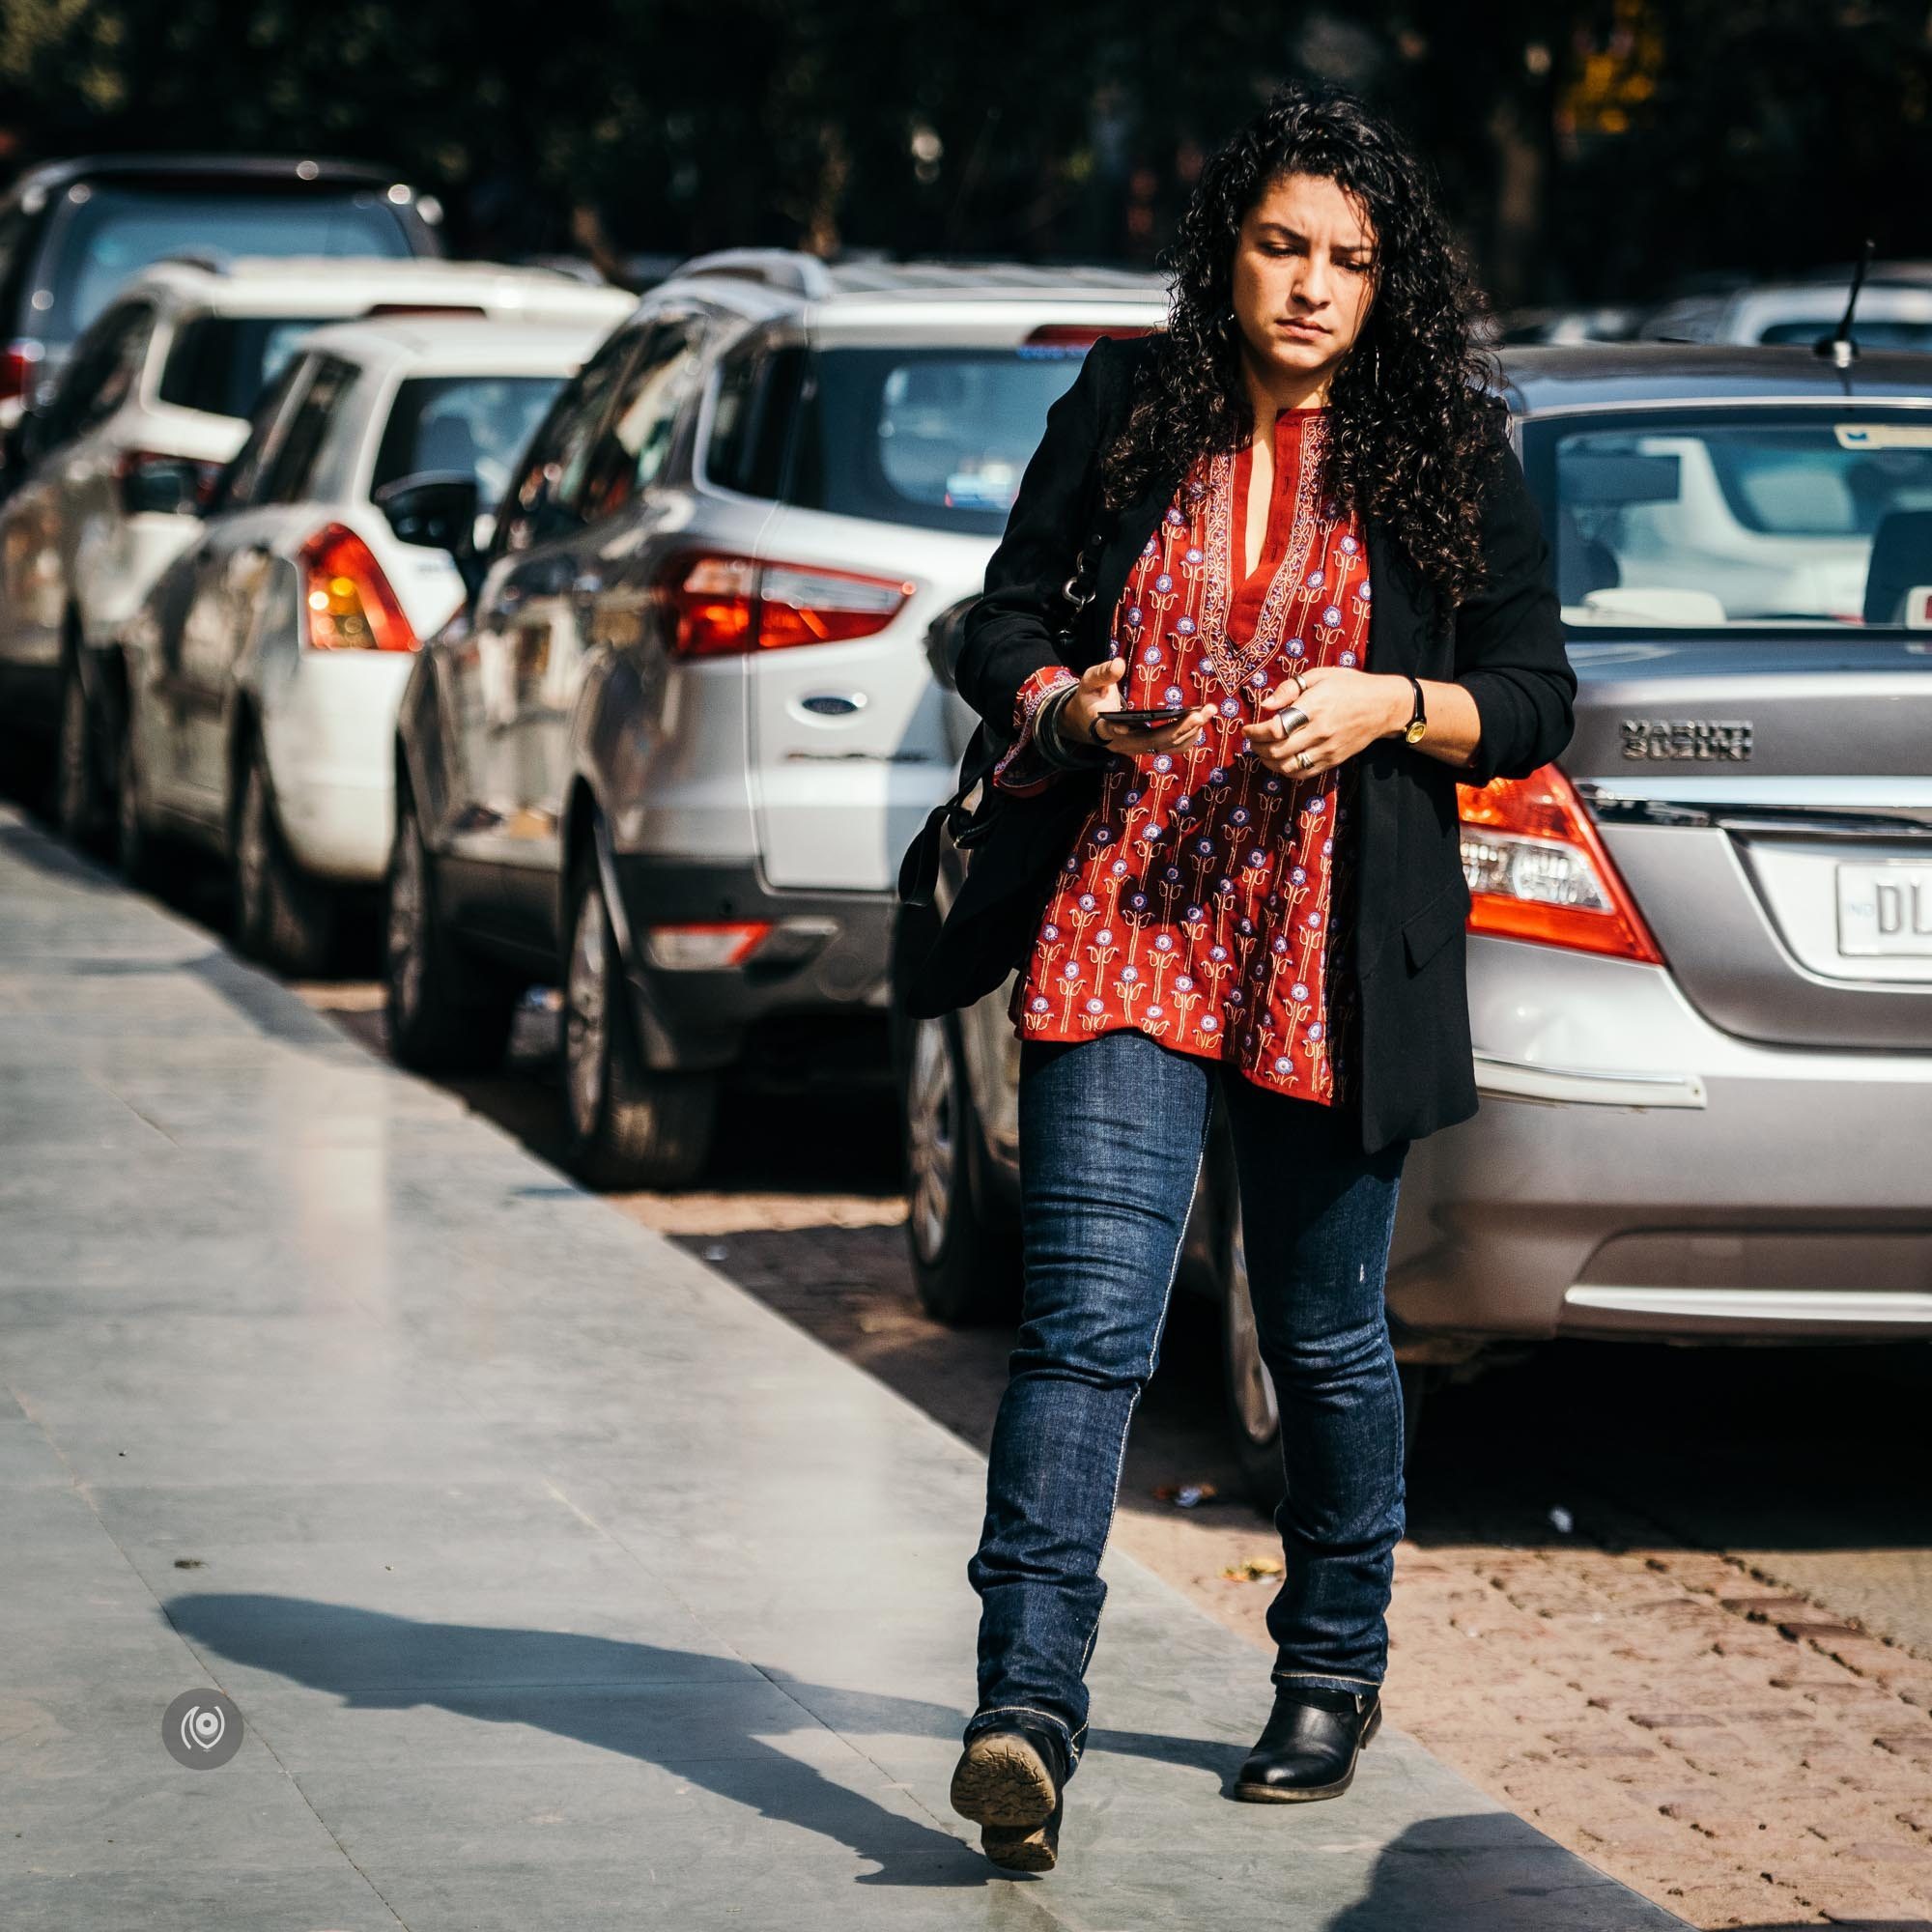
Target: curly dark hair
[{"x": 1411, "y": 423}]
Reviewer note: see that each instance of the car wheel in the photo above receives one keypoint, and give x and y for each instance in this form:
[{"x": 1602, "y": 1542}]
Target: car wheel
[
  {"x": 965, "y": 1265},
  {"x": 135, "y": 846},
  {"x": 282, "y": 917},
  {"x": 1254, "y": 1416},
  {"x": 449, "y": 1011},
  {"x": 77, "y": 802},
  {"x": 627, "y": 1125}
]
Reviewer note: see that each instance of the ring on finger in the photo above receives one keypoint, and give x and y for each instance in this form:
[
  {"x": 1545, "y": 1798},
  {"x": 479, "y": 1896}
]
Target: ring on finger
[
  {"x": 1304, "y": 761},
  {"x": 1293, "y": 719}
]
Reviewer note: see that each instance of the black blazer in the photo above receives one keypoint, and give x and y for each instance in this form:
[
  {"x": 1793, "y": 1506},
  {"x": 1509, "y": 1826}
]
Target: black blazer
[{"x": 1504, "y": 645}]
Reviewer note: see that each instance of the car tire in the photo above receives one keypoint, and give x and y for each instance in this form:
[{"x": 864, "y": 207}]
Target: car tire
[
  {"x": 79, "y": 805},
  {"x": 627, "y": 1125},
  {"x": 136, "y": 847},
  {"x": 283, "y": 918},
  {"x": 965, "y": 1260},
  {"x": 1254, "y": 1417},
  {"x": 448, "y": 1010}
]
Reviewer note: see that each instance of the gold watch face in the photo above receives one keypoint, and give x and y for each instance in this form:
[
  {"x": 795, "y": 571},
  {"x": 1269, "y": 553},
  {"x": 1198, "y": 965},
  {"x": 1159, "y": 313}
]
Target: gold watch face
[{"x": 1415, "y": 730}]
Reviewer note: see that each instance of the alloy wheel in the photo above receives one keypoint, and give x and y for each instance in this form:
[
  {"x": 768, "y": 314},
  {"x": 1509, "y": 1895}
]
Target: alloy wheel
[
  {"x": 403, "y": 931},
  {"x": 932, "y": 1138},
  {"x": 1251, "y": 1389},
  {"x": 586, "y": 1018}
]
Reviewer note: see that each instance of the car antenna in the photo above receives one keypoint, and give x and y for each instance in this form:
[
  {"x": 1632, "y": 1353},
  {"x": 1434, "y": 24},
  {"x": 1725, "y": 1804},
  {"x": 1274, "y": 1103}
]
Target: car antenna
[{"x": 1839, "y": 345}]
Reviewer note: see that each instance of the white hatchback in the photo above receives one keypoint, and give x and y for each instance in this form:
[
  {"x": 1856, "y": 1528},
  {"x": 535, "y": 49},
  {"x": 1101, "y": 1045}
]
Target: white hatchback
[
  {"x": 259, "y": 680},
  {"x": 110, "y": 471}
]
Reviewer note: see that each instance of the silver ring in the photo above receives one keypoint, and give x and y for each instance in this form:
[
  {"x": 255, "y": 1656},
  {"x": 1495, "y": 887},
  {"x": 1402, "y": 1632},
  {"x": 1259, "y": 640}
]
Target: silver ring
[
  {"x": 1293, "y": 719},
  {"x": 1303, "y": 762}
]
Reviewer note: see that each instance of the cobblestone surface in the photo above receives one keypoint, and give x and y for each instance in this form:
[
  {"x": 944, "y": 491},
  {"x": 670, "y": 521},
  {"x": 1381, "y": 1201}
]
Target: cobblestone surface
[{"x": 1732, "y": 1746}]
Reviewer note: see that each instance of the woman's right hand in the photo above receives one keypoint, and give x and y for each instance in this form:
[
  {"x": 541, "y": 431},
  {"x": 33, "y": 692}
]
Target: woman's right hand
[{"x": 1100, "y": 693}]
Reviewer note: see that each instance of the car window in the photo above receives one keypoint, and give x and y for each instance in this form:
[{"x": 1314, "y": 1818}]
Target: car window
[
  {"x": 106, "y": 370},
  {"x": 550, "y": 480},
  {"x": 221, "y": 363},
  {"x": 239, "y": 484},
  {"x": 936, "y": 438},
  {"x": 631, "y": 450},
  {"x": 293, "y": 463},
  {"x": 752, "y": 417},
  {"x": 461, "y": 425},
  {"x": 108, "y": 230},
  {"x": 1765, "y": 518}
]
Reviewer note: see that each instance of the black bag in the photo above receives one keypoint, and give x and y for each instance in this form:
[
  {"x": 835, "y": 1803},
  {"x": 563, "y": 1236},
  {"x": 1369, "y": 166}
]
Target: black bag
[{"x": 975, "y": 813}]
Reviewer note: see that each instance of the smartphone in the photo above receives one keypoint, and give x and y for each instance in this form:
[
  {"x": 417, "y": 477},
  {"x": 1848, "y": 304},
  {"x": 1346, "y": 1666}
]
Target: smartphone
[{"x": 1146, "y": 720}]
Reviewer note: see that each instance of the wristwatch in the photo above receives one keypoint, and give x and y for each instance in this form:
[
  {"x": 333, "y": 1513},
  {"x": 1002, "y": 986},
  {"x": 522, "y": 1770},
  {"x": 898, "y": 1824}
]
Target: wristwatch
[{"x": 1419, "y": 721}]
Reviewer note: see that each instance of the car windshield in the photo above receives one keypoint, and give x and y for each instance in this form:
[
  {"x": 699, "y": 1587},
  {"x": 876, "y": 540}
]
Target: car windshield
[
  {"x": 933, "y": 437},
  {"x": 463, "y": 425},
  {"x": 1814, "y": 518},
  {"x": 222, "y": 363},
  {"x": 104, "y": 238}
]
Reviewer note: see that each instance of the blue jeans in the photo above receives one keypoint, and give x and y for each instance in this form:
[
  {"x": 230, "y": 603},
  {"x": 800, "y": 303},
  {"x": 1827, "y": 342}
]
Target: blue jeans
[{"x": 1113, "y": 1131}]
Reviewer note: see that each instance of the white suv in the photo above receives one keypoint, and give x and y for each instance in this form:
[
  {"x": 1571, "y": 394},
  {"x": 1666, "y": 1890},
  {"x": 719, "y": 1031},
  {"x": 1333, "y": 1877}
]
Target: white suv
[
  {"x": 672, "y": 753},
  {"x": 258, "y": 679},
  {"x": 154, "y": 400}
]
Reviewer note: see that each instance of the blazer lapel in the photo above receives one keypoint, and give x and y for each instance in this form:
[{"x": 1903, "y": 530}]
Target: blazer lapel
[{"x": 1401, "y": 609}]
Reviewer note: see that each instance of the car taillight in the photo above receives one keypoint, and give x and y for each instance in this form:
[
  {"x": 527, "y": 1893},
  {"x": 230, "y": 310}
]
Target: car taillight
[
  {"x": 1085, "y": 335},
  {"x": 722, "y": 605},
  {"x": 1538, "y": 870},
  {"x": 348, "y": 600},
  {"x": 19, "y": 363}
]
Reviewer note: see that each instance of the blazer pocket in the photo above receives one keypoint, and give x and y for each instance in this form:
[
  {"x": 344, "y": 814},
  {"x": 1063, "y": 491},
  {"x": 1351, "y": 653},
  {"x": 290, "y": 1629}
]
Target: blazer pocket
[{"x": 1425, "y": 932}]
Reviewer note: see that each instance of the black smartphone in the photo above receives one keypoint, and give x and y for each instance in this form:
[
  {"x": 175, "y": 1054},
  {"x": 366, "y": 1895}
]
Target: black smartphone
[{"x": 1145, "y": 720}]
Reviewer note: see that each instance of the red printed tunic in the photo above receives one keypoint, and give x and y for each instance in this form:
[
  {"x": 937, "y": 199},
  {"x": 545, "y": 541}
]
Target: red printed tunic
[{"x": 1198, "y": 900}]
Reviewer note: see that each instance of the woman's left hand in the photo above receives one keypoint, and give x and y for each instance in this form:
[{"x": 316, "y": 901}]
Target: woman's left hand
[{"x": 1331, "y": 717}]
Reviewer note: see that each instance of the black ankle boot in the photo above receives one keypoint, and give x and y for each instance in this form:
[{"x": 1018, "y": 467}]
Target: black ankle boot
[
  {"x": 1010, "y": 1781},
  {"x": 1309, "y": 1746}
]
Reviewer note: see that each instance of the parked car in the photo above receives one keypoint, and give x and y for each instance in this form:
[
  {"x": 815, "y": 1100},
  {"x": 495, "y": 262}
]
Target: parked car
[
  {"x": 73, "y": 231},
  {"x": 1894, "y": 312},
  {"x": 122, "y": 455},
  {"x": 1700, "y": 953},
  {"x": 672, "y": 753},
  {"x": 259, "y": 680}
]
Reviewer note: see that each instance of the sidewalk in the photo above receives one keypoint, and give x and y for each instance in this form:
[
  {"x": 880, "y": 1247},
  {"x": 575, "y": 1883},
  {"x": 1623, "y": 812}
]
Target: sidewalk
[{"x": 561, "y": 1586}]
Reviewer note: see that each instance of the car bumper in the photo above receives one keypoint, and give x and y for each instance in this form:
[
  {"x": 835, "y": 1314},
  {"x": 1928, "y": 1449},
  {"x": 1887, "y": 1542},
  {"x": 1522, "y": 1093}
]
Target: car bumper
[
  {"x": 809, "y": 1002},
  {"x": 329, "y": 731},
  {"x": 1633, "y": 1171}
]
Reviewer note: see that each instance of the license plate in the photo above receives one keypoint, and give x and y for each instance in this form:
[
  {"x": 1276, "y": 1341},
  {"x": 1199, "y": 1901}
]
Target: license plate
[{"x": 1886, "y": 909}]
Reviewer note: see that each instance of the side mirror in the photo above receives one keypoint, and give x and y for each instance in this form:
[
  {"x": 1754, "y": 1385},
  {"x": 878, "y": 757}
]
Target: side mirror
[
  {"x": 436, "y": 509},
  {"x": 165, "y": 486}
]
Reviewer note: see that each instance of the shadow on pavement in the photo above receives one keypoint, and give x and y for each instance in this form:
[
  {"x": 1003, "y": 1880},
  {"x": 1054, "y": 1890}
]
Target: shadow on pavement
[{"x": 1442, "y": 1872}]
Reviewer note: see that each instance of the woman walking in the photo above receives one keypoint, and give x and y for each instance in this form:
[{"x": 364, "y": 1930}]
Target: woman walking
[{"x": 1271, "y": 586}]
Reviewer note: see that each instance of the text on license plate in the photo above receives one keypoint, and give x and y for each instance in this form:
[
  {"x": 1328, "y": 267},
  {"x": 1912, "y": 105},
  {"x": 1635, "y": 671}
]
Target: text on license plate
[{"x": 1886, "y": 908}]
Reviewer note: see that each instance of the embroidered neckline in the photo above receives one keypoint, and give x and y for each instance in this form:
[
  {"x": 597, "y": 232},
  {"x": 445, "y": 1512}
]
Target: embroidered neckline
[{"x": 1234, "y": 665}]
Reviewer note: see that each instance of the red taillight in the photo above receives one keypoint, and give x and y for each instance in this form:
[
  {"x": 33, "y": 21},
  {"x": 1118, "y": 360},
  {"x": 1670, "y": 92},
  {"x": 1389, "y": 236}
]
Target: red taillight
[
  {"x": 1085, "y": 335},
  {"x": 346, "y": 599},
  {"x": 1538, "y": 870},
  {"x": 19, "y": 364},
  {"x": 721, "y": 606}
]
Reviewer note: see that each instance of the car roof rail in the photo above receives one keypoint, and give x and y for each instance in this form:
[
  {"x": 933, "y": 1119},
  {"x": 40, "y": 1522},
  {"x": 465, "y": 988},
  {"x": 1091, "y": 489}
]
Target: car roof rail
[{"x": 791, "y": 269}]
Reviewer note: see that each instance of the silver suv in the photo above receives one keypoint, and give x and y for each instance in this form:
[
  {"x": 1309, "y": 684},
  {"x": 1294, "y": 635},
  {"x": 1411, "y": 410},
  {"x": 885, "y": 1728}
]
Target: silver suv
[{"x": 673, "y": 750}]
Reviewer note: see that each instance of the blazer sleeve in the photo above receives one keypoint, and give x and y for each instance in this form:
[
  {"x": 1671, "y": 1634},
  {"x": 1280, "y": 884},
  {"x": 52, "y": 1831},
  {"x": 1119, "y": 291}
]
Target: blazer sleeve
[
  {"x": 1008, "y": 633},
  {"x": 1509, "y": 636}
]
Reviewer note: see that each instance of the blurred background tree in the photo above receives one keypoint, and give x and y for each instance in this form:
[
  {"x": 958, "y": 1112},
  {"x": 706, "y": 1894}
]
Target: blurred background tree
[{"x": 1588, "y": 150}]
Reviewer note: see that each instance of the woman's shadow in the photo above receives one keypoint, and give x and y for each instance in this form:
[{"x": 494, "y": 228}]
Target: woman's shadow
[{"x": 711, "y": 1730}]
